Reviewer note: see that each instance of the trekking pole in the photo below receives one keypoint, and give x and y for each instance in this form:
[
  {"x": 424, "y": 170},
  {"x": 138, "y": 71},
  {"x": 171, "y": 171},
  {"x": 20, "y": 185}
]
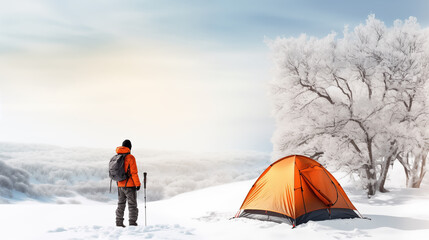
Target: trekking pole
[{"x": 144, "y": 185}]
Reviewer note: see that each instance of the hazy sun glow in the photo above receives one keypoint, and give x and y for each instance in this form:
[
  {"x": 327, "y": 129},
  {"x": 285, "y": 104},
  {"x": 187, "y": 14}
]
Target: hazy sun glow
[
  {"x": 167, "y": 74},
  {"x": 160, "y": 98}
]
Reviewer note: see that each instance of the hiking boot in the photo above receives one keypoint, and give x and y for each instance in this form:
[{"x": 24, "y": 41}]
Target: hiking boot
[
  {"x": 133, "y": 224},
  {"x": 120, "y": 225}
]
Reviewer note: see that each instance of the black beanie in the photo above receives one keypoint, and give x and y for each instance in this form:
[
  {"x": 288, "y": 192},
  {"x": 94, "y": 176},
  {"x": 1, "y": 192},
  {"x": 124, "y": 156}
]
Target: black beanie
[{"x": 127, "y": 143}]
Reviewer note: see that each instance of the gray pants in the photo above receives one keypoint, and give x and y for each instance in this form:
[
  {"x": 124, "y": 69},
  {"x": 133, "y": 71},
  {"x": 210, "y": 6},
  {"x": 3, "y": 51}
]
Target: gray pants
[{"x": 124, "y": 194}]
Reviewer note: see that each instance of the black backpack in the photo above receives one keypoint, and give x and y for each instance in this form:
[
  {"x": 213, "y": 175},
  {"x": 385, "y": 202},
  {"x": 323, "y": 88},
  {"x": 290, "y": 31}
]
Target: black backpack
[{"x": 116, "y": 169}]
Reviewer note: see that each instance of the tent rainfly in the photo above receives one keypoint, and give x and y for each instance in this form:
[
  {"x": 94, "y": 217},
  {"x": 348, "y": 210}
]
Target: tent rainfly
[{"x": 296, "y": 189}]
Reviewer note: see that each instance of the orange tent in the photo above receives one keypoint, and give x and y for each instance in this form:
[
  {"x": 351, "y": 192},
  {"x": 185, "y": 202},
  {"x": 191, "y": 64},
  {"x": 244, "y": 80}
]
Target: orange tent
[{"x": 296, "y": 189}]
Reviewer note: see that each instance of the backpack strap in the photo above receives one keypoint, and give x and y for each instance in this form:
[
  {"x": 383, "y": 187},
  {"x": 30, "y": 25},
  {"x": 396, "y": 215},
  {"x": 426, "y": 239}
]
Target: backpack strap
[
  {"x": 128, "y": 175},
  {"x": 110, "y": 185}
]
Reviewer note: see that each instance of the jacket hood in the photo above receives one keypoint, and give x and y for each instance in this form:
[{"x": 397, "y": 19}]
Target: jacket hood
[{"x": 122, "y": 149}]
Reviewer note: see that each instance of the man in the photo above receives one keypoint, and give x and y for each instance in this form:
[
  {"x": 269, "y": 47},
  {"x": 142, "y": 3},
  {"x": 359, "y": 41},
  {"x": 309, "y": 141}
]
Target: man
[{"x": 127, "y": 189}]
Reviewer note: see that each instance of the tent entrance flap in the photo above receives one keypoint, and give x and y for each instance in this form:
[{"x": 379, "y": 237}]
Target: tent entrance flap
[
  {"x": 267, "y": 216},
  {"x": 321, "y": 185}
]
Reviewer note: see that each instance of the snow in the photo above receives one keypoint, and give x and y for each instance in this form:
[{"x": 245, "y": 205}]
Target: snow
[
  {"x": 199, "y": 204},
  {"x": 47, "y": 172},
  {"x": 206, "y": 214}
]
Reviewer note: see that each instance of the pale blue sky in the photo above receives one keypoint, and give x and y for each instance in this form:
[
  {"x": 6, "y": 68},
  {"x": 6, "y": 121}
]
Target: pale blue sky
[{"x": 175, "y": 75}]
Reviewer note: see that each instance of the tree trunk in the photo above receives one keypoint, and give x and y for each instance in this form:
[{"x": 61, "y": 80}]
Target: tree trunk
[
  {"x": 371, "y": 180},
  {"x": 371, "y": 171},
  {"x": 415, "y": 174},
  {"x": 406, "y": 166},
  {"x": 385, "y": 166},
  {"x": 419, "y": 170},
  {"x": 383, "y": 175}
]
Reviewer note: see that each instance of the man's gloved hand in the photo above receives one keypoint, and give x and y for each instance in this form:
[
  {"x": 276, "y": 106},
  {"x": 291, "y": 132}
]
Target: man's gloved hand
[{"x": 138, "y": 188}]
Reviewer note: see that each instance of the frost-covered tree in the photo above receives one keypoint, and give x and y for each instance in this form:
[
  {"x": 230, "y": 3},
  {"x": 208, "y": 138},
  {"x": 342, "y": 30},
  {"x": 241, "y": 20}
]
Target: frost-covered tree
[{"x": 357, "y": 102}]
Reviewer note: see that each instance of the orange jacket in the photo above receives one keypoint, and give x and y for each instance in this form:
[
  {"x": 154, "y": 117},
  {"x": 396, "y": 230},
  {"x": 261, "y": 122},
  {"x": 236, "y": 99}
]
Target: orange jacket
[{"x": 134, "y": 180}]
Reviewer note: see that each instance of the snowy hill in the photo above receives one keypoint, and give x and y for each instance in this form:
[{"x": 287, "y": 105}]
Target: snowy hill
[
  {"x": 206, "y": 213},
  {"x": 49, "y": 192},
  {"x": 63, "y": 175}
]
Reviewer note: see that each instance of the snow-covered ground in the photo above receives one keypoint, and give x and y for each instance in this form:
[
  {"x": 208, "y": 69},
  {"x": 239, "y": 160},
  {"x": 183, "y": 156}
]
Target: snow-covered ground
[
  {"x": 206, "y": 213},
  {"x": 58, "y": 193}
]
